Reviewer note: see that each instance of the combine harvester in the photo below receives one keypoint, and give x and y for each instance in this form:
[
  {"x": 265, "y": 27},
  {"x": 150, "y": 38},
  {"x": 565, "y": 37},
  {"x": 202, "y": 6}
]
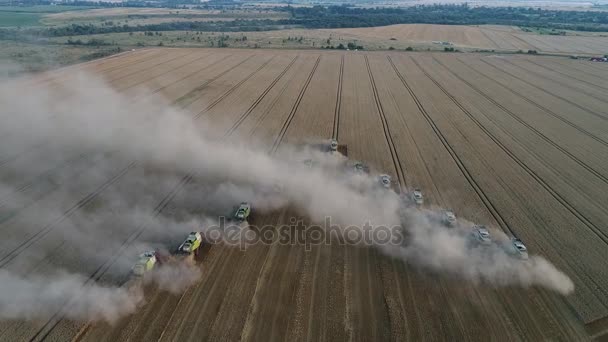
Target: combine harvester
[
  {"x": 145, "y": 263},
  {"x": 148, "y": 261},
  {"x": 192, "y": 246},
  {"x": 242, "y": 212},
  {"x": 335, "y": 147}
]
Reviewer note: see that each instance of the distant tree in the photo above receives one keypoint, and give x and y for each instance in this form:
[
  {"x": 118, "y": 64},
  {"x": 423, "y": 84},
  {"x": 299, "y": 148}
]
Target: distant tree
[
  {"x": 341, "y": 47},
  {"x": 391, "y": 48},
  {"x": 409, "y": 48}
]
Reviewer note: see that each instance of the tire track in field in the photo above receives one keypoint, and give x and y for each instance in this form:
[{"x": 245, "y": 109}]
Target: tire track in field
[
  {"x": 125, "y": 75},
  {"x": 86, "y": 327},
  {"x": 60, "y": 73},
  {"x": 81, "y": 203},
  {"x": 40, "y": 179},
  {"x": 190, "y": 96},
  {"x": 246, "y": 114},
  {"x": 204, "y": 55},
  {"x": 294, "y": 109},
  {"x": 387, "y": 133},
  {"x": 590, "y": 111},
  {"x": 598, "y": 232},
  {"x": 231, "y": 131},
  {"x": 232, "y": 89},
  {"x": 402, "y": 187},
  {"x": 183, "y": 78},
  {"x": 577, "y": 67},
  {"x": 101, "y": 270},
  {"x": 48, "y": 327},
  {"x": 12, "y": 254},
  {"x": 530, "y": 172},
  {"x": 530, "y": 127},
  {"x": 539, "y": 106},
  {"x": 567, "y": 75},
  {"x": 466, "y": 173},
  {"x": 336, "y": 128},
  {"x": 565, "y": 85}
]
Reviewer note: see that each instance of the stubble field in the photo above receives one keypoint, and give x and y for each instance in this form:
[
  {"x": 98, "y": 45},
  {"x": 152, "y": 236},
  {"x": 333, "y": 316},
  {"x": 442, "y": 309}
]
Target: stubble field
[{"x": 517, "y": 143}]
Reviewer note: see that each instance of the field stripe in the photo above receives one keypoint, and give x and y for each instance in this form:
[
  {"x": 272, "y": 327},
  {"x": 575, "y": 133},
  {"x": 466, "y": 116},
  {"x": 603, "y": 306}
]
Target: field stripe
[
  {"x": 387, "y": 133},
  {"x": 590, "y": 111},
  {"x": 539, "y": 106},
  {"x": 598, "y": 232},
  {"x": 294, "y": 109},
  {"x": 166, "y": 200},
  {"x": 336, "y": 128},
  {"x": 561, "y": 83},
  {"x": 11, "y": 255},
  {"x": 530, "y": 127},
  {"x": 463, "y": 169},
  {"x": 567, "y": 75}
]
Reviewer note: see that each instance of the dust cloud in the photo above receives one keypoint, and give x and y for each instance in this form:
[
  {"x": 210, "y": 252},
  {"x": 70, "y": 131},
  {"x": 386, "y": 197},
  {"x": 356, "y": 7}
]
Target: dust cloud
[{"x": 83, "y": 169}]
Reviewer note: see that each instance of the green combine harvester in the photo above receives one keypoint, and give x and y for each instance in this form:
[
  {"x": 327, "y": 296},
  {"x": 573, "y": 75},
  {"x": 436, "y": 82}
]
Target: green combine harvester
[
  {"x": 242, "y": 212},
  {"x": 192, "y": 245},
  {"x": 146, "y": 262}
]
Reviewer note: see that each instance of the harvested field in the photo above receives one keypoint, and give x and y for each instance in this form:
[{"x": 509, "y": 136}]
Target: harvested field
[
  {"x": 518, "y": 143},
  {"x": 480, "y": 37}
]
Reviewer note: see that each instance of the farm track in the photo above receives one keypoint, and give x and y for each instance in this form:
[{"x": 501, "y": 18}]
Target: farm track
[{"x": 338, "y": 292}]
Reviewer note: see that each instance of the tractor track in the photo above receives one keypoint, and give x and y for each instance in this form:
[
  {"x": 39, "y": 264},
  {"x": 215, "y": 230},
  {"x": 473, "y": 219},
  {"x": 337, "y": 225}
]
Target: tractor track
[
  {"x": 541, "y": 107},
  {"x": 7, "y": 258},
  {"x": 530, "y": 127},
  {"x": 205, "y": 55},
  {"x": 81, "y": 66},
  {"x": 598, "y": 232},
  {"x": 463, "y": 169},
  {"x": 148, "y": 68},
  {"x": 336, "y": 127},
  {"x": 579, "y": 68},
  {"x": 25, "y": 187},
  {"x": 228, "y": 134},
  {"x": 194, "y": 72},
  {"x": 244, "y": 116},
  {"x": 567, "y": 75},
  {"x": 565, "y": 85},
  {"x": 294, "y": 109},
  {"x": 232, "y": 89},
  {"x": 269, "y": 110},
  {"x": 489, "y": 205},
  {"x": 99, "y": 272},
  {"x": 48, "y": 327},
  {"x": 203, "y": 85},
  {"x": 387, "y": 133},
  {"x": 590, "y": 111}
]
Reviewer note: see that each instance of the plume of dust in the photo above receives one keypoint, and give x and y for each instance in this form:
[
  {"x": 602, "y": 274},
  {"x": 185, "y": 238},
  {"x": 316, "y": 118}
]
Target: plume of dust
[
  {"x": 454, "y": 251},
  {"x": 86, "y": 114},
  {"x": 42, "y": 296}
]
